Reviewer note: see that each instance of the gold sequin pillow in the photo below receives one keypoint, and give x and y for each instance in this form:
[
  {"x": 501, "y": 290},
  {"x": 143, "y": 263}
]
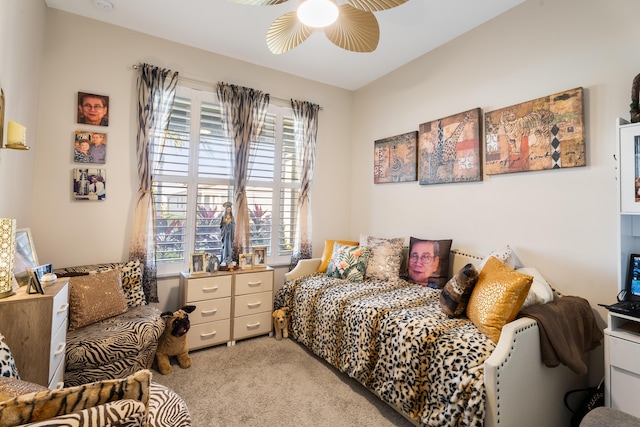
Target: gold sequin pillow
[
  {"x": 386, "y": 257},
  {"x": 95, "y": 297},
  {"x": 328, "y": 251},
  {"x": 497, "y": 297}
]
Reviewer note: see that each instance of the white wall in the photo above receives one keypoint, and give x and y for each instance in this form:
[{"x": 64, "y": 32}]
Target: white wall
[
  {"x": 562, "y": 221},
  {"x": 21, "y": 44}
]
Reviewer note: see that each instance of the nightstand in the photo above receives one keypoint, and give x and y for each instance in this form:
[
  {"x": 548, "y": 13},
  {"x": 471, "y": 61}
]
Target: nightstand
[{"x": 35, "y": 325}]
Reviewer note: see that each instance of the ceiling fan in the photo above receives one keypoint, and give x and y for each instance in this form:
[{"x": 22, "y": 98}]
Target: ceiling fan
[{"x": 351, "y": 26}]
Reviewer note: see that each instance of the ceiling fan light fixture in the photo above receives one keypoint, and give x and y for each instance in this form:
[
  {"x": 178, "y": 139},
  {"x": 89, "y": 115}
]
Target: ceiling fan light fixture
[{"x": 317, "y": 13}]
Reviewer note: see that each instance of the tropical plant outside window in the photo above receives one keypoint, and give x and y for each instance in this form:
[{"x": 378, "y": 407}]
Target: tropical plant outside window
[{"x": 192, "y": 178}]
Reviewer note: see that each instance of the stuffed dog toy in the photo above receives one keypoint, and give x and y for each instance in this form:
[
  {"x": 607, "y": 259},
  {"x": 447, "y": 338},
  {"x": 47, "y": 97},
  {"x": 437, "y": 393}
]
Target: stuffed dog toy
[
  {"x": 173, "y": 341},
  {"x": 280, "y": 323}
]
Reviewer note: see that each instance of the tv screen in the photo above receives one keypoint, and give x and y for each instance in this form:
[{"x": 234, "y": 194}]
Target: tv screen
[{"x": 633, "y": 279}]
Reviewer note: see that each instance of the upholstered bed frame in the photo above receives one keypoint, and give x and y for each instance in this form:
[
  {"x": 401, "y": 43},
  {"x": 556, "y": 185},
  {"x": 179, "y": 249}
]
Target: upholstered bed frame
[{"x": 520, "y": 389}]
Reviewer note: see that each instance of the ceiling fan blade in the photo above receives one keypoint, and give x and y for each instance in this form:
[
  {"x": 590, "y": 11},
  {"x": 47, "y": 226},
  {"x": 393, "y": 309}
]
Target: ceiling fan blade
[
  {"x": 286, "y": 32},
  {"x": 355, "y": 30},
  {"x": 258, "y": 2},
  {"x": 375, "y": 5}
]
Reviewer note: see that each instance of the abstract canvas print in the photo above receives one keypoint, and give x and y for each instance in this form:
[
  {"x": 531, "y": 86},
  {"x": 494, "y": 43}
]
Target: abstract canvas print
[
  {"x": 394, "y": 158},
  {"x": 546, "y": 133},
  {"x": 449, "y": 149}
]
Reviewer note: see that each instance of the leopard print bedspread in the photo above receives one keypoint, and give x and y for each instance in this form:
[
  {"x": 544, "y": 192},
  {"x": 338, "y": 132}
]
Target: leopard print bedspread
[{"x": 393, "y": 337}]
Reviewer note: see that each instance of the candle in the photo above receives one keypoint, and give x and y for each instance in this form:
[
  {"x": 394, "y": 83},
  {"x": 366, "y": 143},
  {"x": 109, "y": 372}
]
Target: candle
[{"x": 16, "y": 134}]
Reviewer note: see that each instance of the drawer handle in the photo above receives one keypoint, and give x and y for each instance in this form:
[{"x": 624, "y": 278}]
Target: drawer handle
[
  {"x": 63, "y": 308},
  {"x": 208, "y": 334},
  {"x": 257, "y": 283},
  {"x": 253, "y": 325},
  {"x": 253, "y": 304},
  {"x": 211, "y": 289},
  {"x": 60, "y": 349},
  {"x": 206, "y": 312}
]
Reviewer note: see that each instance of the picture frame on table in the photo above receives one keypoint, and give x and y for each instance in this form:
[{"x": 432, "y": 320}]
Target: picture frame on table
[
  {"x": 34, "y": 286},
  {"x": 245, "y": 261},
  {"x": 197, "y": 263},
  {"x": 259, "y": 256}
]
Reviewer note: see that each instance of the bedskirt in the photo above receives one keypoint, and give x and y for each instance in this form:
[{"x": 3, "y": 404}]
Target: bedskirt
[{"x": 393, "y": 337}]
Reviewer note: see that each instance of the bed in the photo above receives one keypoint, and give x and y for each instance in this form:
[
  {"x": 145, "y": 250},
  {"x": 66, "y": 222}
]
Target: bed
[{"x": 393, "y": 338}]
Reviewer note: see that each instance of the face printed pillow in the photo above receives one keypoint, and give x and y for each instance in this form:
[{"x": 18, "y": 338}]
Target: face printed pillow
[{"x": 428, "y": 262}]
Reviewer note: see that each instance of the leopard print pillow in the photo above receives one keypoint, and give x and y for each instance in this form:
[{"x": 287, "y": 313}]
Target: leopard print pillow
[
  {"x": 132, "y": 284},
  {"x": 46, "y": 404},
  {"x": 7, "y": 364}
]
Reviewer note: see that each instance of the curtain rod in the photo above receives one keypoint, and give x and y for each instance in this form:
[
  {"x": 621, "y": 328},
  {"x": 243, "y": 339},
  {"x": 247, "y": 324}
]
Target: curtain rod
[{"x": 202, "y": 82}]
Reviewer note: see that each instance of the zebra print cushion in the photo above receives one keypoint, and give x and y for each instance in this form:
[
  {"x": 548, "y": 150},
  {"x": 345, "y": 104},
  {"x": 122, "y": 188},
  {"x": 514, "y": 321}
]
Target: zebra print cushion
[
  {"x": 7, "y": 364},
  {"x": 166, "y": 408},
  {"x": 123, "y": 413},
  {"x": 114, "y": 347}
]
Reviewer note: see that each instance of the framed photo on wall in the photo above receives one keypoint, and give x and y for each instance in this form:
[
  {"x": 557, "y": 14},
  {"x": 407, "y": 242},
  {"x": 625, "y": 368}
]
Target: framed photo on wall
[
  {"x": 197, "y": 263},
  {"x": 259, "y": 257},
  {"x": 89, "y": 184},
  {"x": 93, "y": 109}
]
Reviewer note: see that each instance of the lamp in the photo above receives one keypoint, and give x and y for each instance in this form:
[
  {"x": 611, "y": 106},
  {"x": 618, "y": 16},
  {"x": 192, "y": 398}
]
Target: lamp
[
  {"x": 7, "y": 254},
  {"x": 317, "y": 13}
]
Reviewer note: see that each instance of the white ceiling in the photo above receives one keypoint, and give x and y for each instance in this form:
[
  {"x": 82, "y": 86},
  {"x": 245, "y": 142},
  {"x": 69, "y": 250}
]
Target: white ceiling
[{"x": 238, "y": 31}]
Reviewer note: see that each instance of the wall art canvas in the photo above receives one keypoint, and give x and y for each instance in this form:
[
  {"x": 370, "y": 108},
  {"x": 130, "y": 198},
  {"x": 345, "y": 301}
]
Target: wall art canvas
[
  {"x": 546, "y": 133},
  {"x": 449, "y": 149},
  {"x": 89, "y": 184},
  {"x": 93, "y": 109},
  {"x": 395, "y": 158},
  {"x": 90, "y": 147}
]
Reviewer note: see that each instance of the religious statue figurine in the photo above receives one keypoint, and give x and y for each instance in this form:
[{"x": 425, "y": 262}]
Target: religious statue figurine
[{"x": 227, "y": 230}]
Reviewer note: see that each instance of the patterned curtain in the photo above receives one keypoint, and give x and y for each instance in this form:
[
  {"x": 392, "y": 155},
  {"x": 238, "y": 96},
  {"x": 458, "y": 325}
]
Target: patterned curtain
[
  {"x": 245, "y": 110},
  {"x": 156, "y": 92},
  {"x": 306, "y": 125}
]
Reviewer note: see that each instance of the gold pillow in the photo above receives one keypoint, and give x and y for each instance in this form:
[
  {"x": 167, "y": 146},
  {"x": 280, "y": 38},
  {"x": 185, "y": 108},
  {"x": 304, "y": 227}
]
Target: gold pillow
[
  {"x": 497, "y": 297},
  {"x": 95, "y": 297},
  {"x": 46, "y": 404},
  {"x": 328, "y": 251}
]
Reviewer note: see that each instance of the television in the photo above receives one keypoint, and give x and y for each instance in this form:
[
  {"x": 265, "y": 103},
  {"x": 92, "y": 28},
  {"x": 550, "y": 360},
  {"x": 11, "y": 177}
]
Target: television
[{"x": 633, "y": 279}]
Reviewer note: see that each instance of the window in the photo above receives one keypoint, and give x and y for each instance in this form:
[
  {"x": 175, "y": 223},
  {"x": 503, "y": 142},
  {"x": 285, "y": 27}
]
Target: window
[{"x": 192, "y": 178}]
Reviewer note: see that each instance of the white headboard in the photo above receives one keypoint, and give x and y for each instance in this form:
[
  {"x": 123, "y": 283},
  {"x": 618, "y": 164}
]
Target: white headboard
[{"x": 459, "y": 259}]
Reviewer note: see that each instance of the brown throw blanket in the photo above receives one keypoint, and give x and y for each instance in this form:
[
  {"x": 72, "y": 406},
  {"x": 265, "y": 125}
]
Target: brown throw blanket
[{"x": 568, "y": 329}]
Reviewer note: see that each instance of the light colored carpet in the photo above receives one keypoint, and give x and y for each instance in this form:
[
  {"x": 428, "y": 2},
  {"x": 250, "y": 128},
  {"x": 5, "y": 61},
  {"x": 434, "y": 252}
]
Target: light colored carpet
[{"x": 264, "y": 382}]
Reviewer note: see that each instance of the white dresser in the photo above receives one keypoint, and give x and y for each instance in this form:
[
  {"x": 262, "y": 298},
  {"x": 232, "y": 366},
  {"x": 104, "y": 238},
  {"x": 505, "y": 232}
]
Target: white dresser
[
  {"x": 36, "y": 325},
  {"x": 230, "y": 306}
]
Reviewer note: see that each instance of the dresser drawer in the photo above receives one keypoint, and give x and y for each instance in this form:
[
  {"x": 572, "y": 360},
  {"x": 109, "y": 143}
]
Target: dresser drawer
[
  {"x": 255, "y": 324},
  {"x": 208, "y": 334},
  {"x": 623, "y": 355},
  {"x": 60, "y": 309},
  {"x": 252, "y": 303},
  {"x": 211, "y": 310},
  {"x": 57, "y": 381},
  {"x": 56, "y": 355},
  {"x": 254, "y": 282},
  {"x": 208, "y": 288}
]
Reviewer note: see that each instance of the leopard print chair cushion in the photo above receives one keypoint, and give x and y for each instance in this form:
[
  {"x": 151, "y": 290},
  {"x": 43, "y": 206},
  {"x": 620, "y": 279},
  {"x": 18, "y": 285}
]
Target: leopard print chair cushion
[{"x": 8, "y": 366}]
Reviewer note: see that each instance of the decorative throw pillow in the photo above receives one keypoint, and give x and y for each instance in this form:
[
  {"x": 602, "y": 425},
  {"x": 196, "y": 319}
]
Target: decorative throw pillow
[
  {"x": 7, "y": 364},
  {"x": 46, "y": 404},
  {"x": 13, "y": 387},
  {"x": 132, "y": 284},
  {"x": 504, "y": 254},
  {"x": 455, "y": 295},
  {"x": 328, "y": 252},
  {"x": 428, "y": 262},
  {"x": 540, "y": 291},
  {"x": 95, "y": 297},
  {"x": 497, "y": 297},
  {"x": 386, "y": 257},
  {"x": 349, "y": 262}
]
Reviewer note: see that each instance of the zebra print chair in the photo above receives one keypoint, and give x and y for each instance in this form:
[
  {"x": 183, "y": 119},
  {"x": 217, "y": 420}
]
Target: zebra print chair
[{"x": 117, "y": 346}]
